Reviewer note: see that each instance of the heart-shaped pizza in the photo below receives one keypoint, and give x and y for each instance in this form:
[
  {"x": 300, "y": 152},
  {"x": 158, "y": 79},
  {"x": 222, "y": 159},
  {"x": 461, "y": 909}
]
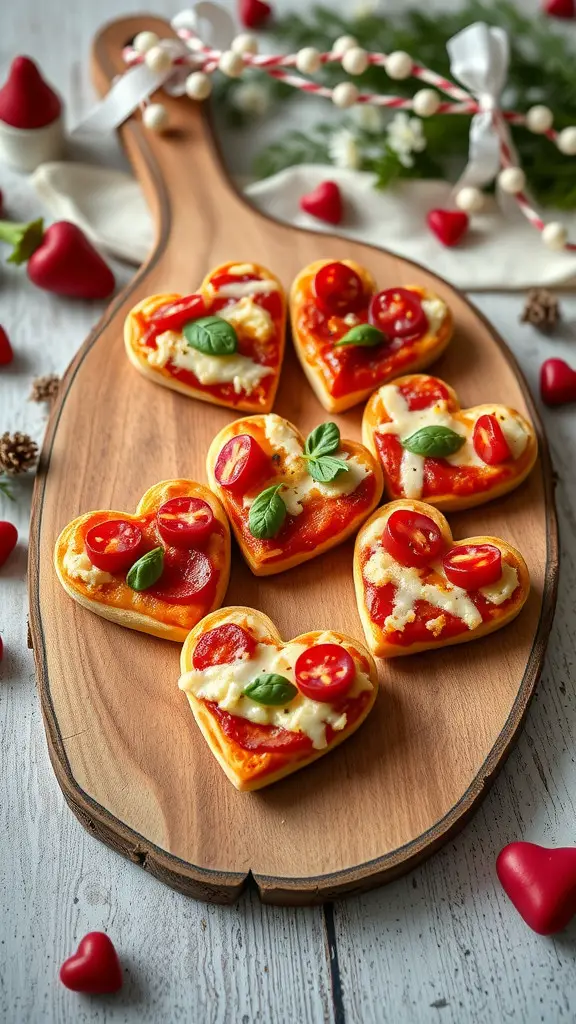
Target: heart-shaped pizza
[
  {"x": 267, "y": 708},
  {"x": 418, "y": 589},
  {"x": 351, "y": 338},
  {"x": 159, "y": 571},
  {"x": 290, "y": 498},
  {"x": 432, "y": 449},
  {"x": 224, "y": 344}
]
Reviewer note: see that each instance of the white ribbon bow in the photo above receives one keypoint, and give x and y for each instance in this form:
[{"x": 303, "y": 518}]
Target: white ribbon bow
[{"x": 479, "y": 57}]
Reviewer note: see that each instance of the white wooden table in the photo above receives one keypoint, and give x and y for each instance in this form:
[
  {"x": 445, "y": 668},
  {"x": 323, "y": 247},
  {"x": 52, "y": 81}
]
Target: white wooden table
[{"x": 442, "y": 944}]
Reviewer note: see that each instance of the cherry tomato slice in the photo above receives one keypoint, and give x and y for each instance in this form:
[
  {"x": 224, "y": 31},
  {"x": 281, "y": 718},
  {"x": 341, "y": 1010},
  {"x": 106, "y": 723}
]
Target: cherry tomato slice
[
  {"x": 240, "y": 463},
  {"x": 412, "y": 538},
  {"x": 188, "y": 578},
  {"x": 472, "y": 566},
  {"x": 114, "y": 545},
  {"x": 222, "y": 645},
  {"x": 325, "y": 672},
  {"x": 173, "y": 316},
  {"x": 398, "y": 313},
  {"x": 339, "y": 289},
  {"x": 489, "y": 441},
  {"x": 185, "y": 522}
]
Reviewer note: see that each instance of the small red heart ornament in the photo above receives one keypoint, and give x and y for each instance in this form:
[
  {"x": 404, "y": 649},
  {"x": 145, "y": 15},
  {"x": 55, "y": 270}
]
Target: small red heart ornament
[
  {"x": 6, "y": 353},
  {"x": 253, "y": 13},
  {"x": 557, "y": 382},
  {"x": 449, "y": 226},
  {"x": 541, "y": 883},
  {"x": 94, "y": 968},
  {"x": 560, "y": 8},
  {"x": 324, "y": 202},
  {"x": 8, "y": 540}
]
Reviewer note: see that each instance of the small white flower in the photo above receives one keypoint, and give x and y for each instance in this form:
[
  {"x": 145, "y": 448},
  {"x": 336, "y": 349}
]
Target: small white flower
[
  {"x": 251, "y": 98},
  {"x": 343, "y": 149},
  {"x": 406, "y": 136},
  {"x": 368, "y": 117},
  {"x": 366, "y": 8}
]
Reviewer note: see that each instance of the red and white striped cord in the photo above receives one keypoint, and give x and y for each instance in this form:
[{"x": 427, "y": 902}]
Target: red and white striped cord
[{"x": 279, "y": 67}]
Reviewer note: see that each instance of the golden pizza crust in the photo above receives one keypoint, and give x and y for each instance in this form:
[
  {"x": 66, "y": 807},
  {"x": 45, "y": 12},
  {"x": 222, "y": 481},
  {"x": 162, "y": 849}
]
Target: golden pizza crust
[
  {"x": 71, "y": 538},
  {"x": 260, "y": 568},
  {"x": 247, "y": 770},
  {"x": 431, "y": 346},
  {"x": 454, "y": 502},
  {"x": 160, "y": 375},
  {"x": 375, "y": 637}
]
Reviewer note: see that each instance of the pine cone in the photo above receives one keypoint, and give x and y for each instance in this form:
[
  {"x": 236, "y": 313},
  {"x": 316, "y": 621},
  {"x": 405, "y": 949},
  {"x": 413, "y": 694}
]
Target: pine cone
[
  {"x": 18, "y": 452},
  {"x": 542, "y": 309},
  {"x": 44, "y": 389}
]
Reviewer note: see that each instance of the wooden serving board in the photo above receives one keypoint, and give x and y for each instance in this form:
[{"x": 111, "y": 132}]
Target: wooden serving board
[{"x": 127, "y": 753}]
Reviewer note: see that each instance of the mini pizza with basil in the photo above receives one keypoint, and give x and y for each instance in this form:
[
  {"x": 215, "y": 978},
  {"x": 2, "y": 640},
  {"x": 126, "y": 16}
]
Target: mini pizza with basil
[
  {"x": 432, "y": 449},
  {"x": 289, "y": 498},
  {"x": 268, "y": 708},
  {"x": 224, "y": 344},
  {"x": 159, "y": 571},
  {"x": 418, "y": 589},
  {"x": 351, "y": 338}
]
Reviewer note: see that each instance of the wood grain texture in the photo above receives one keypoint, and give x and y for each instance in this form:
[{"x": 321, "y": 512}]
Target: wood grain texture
[{"x": 442, "y": 725}]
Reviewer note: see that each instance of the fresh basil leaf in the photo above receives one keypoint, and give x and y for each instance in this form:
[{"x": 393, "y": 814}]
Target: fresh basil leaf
[
  {"x": 434, "y": 442},
  {"x": 363, "y": 334},
  {"x": 322, "y": 440},
  {"x": 211, "y": 335},
  {"x": 147, "y": 570},
  {"x": 271, "y": 689},
  {"x": 326, "y": 468},
  {"x": 267, "y": 513}
]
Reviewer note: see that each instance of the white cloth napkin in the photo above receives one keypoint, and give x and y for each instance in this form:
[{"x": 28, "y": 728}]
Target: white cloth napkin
[{"x": 499, "y": 252}]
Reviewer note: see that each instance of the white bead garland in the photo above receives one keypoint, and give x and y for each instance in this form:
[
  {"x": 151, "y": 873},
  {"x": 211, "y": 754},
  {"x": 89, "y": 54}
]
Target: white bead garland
[
  {"x": 155, "y": 117},
  {"x": 144, "y": 41},
  {"x": 426, "y": 102},
  {"x": 245, "y": 43},
  {"x": 539, "y": 119},
  {"x": 158, "y": 59},
  {"x": 469, "y": 199},
  {"x": 355, "y": 61},
  {"x": 399, "y": 65},
  {"x": 345, "y": 95},
  {"x": 342, "y": 44},
  {"x": 308, "y": 60},
  {"x": 567, "y": 141},
  {"x": 512, "y": 180},
  {"x": 231, "y": 64},
  {"x": 555, "y": 235},
  {"x": 198, "y": 86}
]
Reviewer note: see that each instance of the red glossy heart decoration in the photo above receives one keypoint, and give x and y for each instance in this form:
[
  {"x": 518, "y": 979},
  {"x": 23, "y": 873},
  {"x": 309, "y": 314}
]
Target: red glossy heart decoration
[
  {"x": 6, "y": 353},
  {"x": 324, "y": 202},
  {"x": 449, "y": 226},
  {"x": 94, "y": 968},
  {"x": 253, "y": 13},
  {"x": 560, "y": 8},
  {"x": 557, "y": 382},
  {"x": 8, "y": 540},
  {"x": 541, "y": 883}
]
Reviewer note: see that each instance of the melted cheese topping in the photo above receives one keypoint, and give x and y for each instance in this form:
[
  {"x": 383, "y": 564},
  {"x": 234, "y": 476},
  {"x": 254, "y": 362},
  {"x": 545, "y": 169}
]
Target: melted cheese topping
[
  {"x": 240, "y": 371},
  {"x": 251, "y": 318},
  {"x": 283, "y": 438},
  {"x": 239, "y": 269},
  {"x": 243, "y": 288},
  {"x": 79, "y": 567},
  {"x": 405, "y": 422},
  {"x": 410, "y": 588},
  {"x": 224, "y": 685},
  {"x": 435, "y": 310}
]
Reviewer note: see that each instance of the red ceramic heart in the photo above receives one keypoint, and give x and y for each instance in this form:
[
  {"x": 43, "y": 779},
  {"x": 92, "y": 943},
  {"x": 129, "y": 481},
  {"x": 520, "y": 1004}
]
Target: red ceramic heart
[
  {"x": 6, "y": 353},
  {"x": 253, "y": 13},
  {"x": 94, "y": 968},
  {"x": 560, "y": 8},
  {"x": 449, "y": 226},
  {"x": 557, "y": 382},
  {"x": 541, "y": 883},
  {"x": 8, "y": 540},
  {"x": 324, "y": 202}
]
